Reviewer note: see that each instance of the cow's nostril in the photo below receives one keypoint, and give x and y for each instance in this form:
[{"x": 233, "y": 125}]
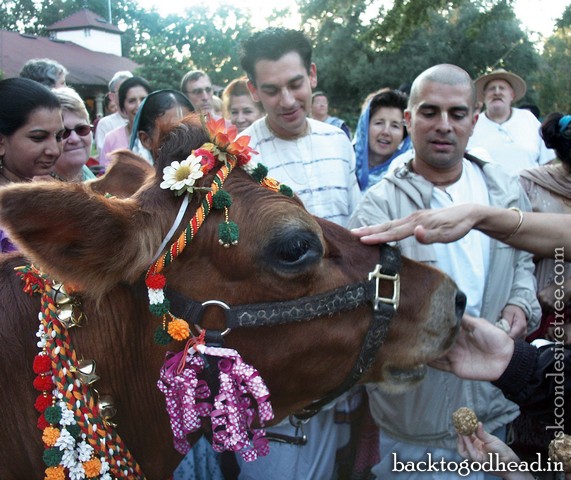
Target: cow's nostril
[{"x": 460, "y": 305}]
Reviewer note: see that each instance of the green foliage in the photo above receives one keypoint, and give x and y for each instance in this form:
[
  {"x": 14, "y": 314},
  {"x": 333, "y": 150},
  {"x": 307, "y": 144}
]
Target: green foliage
[
  {"x": 554, "y": 78},
  {"x": 360, "y": 45},
  {"x": 477, "y": 36}
]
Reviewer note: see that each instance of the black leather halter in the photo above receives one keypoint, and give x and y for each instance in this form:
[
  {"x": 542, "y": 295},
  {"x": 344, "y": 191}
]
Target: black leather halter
[{"x": 306, "y": 308}]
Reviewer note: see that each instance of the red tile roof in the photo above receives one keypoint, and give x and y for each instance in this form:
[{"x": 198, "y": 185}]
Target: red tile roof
[
  {"x": 82, "y": 19},
  {"x": 85, "y": 67}
]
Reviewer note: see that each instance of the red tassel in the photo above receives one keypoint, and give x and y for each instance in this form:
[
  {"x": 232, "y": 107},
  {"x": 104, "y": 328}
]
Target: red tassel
[
  {"x": 42, "y": 422},
  {"x": 42, "y": 402},
  {"x": 42, "y": 364},
  {"x": 43, "y": 383}
]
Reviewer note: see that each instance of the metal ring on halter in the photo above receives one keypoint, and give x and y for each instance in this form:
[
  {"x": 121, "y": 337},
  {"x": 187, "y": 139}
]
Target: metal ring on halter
[{"x": 220, "y": 304}]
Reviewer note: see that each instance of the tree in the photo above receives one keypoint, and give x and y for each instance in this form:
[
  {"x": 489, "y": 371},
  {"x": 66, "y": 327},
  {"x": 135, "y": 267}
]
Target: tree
[
  {"x": 352, "y": 63},
  {"x": 553, "y": 81}
]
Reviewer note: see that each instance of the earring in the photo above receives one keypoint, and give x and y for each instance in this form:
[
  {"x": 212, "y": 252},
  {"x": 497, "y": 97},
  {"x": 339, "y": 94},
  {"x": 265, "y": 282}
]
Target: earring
[{"x": 1, "y": 164}]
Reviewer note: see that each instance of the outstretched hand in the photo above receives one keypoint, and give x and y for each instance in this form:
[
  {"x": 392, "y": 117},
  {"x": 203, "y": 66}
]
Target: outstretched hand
[
  {"x": 428, "y": 226},
  {"x": 479, "y": 446},
  {"x": 482, "y": 351}
]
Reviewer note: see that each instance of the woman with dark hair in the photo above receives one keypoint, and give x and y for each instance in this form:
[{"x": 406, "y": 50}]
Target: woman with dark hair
[
  {"x": 549, "y": 190},
  {"x": 158, "y": 109},
  {"x": 132, "y": 92},
  {"x": 381, "y": 135},
  {"x": 31, "y": 129}
]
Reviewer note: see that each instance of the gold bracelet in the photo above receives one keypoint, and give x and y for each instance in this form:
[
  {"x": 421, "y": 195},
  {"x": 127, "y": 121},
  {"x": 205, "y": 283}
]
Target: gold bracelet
[{"x": 519, "y": 224}]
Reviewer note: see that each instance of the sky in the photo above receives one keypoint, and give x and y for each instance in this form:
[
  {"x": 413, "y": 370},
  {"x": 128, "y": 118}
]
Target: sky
[{"x": 535, "y": 16}]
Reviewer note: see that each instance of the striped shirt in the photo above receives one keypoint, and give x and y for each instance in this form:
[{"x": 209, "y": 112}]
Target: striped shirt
[{"x": 319, "y": 167}]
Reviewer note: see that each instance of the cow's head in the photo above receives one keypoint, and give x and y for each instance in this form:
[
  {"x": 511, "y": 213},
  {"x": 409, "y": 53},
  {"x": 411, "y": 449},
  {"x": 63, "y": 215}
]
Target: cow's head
[{"x": 94, "y": 242}]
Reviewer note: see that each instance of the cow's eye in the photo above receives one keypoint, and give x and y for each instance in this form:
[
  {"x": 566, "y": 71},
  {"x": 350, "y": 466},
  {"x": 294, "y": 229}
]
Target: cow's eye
[{"x": 294, "y": 250}]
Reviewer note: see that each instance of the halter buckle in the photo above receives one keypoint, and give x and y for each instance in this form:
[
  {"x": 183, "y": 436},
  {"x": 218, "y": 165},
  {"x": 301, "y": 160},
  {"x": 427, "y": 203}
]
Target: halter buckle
[{"x": 378, "y": 276}]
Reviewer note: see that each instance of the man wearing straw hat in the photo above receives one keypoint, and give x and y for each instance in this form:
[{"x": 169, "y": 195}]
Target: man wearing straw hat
[{"x": 510, "y": 135}]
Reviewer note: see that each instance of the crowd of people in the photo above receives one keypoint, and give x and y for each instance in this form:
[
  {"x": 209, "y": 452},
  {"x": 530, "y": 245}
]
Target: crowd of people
[{"x": 448, "y": 169}]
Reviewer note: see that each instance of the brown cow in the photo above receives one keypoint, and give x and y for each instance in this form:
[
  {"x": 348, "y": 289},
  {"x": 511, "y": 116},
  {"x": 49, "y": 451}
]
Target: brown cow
[{"x": 103, "y": 246}]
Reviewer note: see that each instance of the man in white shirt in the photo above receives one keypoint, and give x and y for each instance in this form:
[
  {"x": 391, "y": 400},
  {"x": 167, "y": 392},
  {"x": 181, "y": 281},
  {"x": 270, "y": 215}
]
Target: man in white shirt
[
  {"x": 510, "y": 135},
  {"x": 317, "y": 161},
  {"x": 115, "y": 120},
  {"x": 314, "y": 158},
  {"x": 497, "y": 279}
]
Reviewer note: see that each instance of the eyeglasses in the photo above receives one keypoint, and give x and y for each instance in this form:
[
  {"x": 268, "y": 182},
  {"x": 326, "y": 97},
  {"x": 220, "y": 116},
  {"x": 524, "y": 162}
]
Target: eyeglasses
[
  {"x": 81, "y": 130},
  {"x": 200, "y": 91}
]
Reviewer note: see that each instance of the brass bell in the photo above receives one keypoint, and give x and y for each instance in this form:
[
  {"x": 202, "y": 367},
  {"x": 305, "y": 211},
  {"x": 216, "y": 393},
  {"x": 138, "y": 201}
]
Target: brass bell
[
  {"x": 85, "y": 371},
  {"x": 107, "y": 409},
  {"x": 67, "y": 316},
  {"x": 61, "y": 297}
]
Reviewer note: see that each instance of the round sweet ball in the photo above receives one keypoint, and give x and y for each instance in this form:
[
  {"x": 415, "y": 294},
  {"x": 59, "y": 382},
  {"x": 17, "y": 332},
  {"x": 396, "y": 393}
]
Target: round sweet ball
[
  {"x": 560, "y": 451},
  {"x": 465, "y": 421}
]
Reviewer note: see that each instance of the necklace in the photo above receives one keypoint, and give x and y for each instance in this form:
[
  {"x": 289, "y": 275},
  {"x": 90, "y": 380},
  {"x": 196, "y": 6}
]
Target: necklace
[
  {"x": 448, "y": 182},
  {"x": 305, "y": 132},
  {"x": 445, "y": 183},
  {"x": 76, "y": 431},
  {"x": 290, "y": 156}
]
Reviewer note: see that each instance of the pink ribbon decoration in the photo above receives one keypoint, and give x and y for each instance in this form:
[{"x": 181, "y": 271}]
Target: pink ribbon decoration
[{"x": 242, "y": 389}]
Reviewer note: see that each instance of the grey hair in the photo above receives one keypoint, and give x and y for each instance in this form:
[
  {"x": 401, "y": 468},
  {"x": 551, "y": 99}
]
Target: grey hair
[
  {"x": 43, "y": 70},
  {"x": 118, "y": 78},
  {"x": 71, "y": 102}
]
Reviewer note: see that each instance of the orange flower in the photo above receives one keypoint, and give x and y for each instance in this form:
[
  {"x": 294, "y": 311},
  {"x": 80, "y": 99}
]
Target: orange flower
[
  {"x": 179, "y": 329},
  {"x": 50, "y": 436},
  {"x": 241, "y": 147},
  {"x": 92, "y": 467},
  {"x": 225, "y": 138},
  {"x": 218, "y": 132},
  {"x": 55, "y": 473},
  {"x": 271, "y": 184}
]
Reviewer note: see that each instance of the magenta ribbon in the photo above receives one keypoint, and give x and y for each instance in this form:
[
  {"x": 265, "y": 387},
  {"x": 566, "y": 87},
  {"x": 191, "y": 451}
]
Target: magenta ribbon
[{"x": 242, "y": 394}]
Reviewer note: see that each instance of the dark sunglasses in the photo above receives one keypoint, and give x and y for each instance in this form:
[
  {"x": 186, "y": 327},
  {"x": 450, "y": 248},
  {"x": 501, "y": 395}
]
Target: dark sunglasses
[{"x": 81, "y": 130}]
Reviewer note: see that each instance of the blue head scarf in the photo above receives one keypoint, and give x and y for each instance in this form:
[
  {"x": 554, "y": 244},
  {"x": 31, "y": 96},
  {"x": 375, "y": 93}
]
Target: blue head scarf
[{"x": 361, "y": 146}]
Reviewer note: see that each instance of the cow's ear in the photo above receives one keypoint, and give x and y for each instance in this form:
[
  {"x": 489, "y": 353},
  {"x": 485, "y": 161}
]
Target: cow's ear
[
  {"x": 77, "y": 237},
  {"x": 126, "y": 173}
]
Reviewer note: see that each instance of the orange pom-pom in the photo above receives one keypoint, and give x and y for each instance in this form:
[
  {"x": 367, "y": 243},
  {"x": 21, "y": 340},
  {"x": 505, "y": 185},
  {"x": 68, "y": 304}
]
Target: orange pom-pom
[
  {"x": 92, "y": 468},
  {"x": 179, "y": 329},
  {"x": 55, "y": 473},
  {"x": 50, "y": 436}
]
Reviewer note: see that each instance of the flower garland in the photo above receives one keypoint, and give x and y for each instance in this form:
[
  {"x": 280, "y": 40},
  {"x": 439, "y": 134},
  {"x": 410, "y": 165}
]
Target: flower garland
[
  {"x": 226, "y": 151},
  {"x": 242, "y": 392},
  {"x": 78, "y": 442}
]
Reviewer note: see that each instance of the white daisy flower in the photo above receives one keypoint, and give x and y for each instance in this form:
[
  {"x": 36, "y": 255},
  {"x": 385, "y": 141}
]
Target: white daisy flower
[{"x": 181, "y": 176}]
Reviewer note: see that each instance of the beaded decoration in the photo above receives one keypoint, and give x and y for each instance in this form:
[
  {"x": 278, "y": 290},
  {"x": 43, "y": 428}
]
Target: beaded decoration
[{"x": 78, "y": 440}]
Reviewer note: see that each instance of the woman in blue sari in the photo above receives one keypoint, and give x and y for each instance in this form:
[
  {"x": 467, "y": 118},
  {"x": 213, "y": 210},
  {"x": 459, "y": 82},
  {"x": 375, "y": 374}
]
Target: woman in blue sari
[{"x": 381, "y": 135}]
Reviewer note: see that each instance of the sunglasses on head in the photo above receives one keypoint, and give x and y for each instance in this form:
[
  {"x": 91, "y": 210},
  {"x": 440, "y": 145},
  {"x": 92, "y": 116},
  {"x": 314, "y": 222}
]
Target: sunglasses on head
[{"x": 81, "y": 130}]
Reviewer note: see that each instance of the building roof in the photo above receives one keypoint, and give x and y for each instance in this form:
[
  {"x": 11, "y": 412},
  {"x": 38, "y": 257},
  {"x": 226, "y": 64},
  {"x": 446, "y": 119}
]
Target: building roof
[
  {"x": 85, "y": 67},
  {"x": 83, "y": 19}
]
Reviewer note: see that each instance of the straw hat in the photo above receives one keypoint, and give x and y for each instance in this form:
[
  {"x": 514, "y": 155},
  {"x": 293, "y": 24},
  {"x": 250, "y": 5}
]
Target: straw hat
[{"x": 516, "y": 82}]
